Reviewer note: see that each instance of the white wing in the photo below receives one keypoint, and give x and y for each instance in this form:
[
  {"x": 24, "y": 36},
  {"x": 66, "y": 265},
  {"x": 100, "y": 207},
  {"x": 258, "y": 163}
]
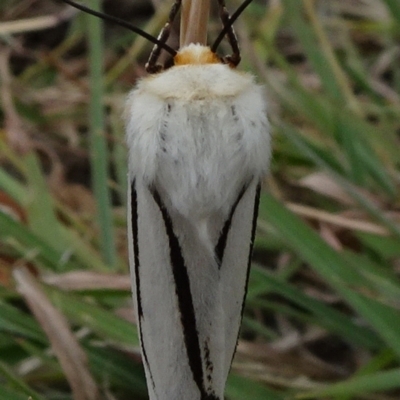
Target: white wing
[{"x": 189, "y": 303}]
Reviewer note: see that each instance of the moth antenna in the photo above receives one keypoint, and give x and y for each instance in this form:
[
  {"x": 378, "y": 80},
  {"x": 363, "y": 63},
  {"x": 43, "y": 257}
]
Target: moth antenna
[
  {"x": 124, "y": 24},
  {"x": 151, "y": 65},
  {"x": 233, "y": 59},
  {"x": 228, "y": 26}
]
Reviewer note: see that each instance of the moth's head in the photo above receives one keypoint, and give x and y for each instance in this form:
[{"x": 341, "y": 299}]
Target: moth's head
[
  {"x": 193, "y": 54},
  {"x": 196, "y": 54}
]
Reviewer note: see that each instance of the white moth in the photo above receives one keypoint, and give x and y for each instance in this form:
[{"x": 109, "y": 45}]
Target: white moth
[{"x": 199, "y": 145}]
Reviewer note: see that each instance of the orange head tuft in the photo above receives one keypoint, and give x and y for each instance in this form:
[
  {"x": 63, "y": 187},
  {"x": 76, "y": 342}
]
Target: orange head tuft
[{"x": 196, "y": 54}]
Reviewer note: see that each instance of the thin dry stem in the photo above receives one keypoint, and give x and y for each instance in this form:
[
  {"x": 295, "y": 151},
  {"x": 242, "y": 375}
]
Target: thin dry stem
[
  {"x": 337, "y": 220},
  {"x": 66, "y": 347},
  {"x": 36, "y": 23},
  {"x": 194, "y": 21}
]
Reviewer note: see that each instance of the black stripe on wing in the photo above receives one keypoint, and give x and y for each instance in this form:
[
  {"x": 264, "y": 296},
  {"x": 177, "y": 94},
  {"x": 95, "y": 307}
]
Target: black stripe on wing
[
  {"x": 135, "y": 235},
  {"x": 253, "y": 234},
  {"x": 185, "y": 301},
  {"x": 221, "y": 245},
  {"x": 251, "y": 244}
]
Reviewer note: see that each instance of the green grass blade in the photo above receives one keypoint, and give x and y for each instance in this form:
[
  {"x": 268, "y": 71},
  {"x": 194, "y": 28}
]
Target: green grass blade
[
  {"x": 32, "y": 247},
  {"x": 104, "y": 323},
  {"x": 98, "y": 147},
  {"x": 40, "y": 206},
  {"x": 296, "y": 138},
  {"x": 15, "y": 321},
  {"x": 335, "y": 269},
  {"x": 379, "y": 381},
  {"x": 239, "y": 388},
  {"x": 309, "y": 40},
  {"x": 325, "y": 316},
  {"x": 11, "y": 186},
  {"x": 394, "y": 7},
  {"x": 9, "y": 394},
  {"x": 17, "y": 382},
  {"x": 118, "y": 370}
]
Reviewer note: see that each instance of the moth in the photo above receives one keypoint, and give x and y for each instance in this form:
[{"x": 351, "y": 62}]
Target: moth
[{"x": 199, "y": 145}]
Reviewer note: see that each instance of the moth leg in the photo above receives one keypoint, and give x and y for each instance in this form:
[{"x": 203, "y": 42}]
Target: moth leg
[
  {"x": 151, "y": 65},
  {"x": 225, "y": 17}
]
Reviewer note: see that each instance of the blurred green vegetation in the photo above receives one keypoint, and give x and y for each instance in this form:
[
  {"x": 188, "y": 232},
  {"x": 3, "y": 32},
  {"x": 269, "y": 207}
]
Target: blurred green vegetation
[{"x": 322, "y": 318}]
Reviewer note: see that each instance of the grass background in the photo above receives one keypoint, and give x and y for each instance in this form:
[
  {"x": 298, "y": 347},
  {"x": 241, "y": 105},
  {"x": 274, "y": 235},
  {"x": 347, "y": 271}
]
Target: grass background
[{"x": 322, "y": 317}]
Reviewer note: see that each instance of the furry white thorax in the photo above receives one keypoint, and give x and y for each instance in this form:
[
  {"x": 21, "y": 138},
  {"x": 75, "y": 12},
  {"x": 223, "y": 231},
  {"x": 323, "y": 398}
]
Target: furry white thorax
[{"x": 199, "y": 132}]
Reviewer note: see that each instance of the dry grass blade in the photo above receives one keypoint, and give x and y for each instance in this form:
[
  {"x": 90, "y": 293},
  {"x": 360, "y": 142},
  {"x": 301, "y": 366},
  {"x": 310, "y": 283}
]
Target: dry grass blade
[
  {"x": 284, "y": 361},
  {"x": 72, "y": 358},
  {"x": 322, "y": 183},
  {"x": 35, "y": 24},
  {"x": 337, "y": 220},
  {"x": 194, "y": 21},
  {"x": 87, "y": 280}
]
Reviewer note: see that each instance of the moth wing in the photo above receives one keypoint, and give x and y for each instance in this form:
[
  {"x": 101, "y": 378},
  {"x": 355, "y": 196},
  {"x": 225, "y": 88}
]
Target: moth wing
[
  {"x": 174, "y": 277},
  {"x": 235, "y": 265},
  {"x": 157, "y": 307}
]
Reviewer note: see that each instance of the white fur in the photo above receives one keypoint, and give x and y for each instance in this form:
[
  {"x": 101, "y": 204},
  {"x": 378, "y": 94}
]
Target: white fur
[{"x": 198, "y": 134}]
